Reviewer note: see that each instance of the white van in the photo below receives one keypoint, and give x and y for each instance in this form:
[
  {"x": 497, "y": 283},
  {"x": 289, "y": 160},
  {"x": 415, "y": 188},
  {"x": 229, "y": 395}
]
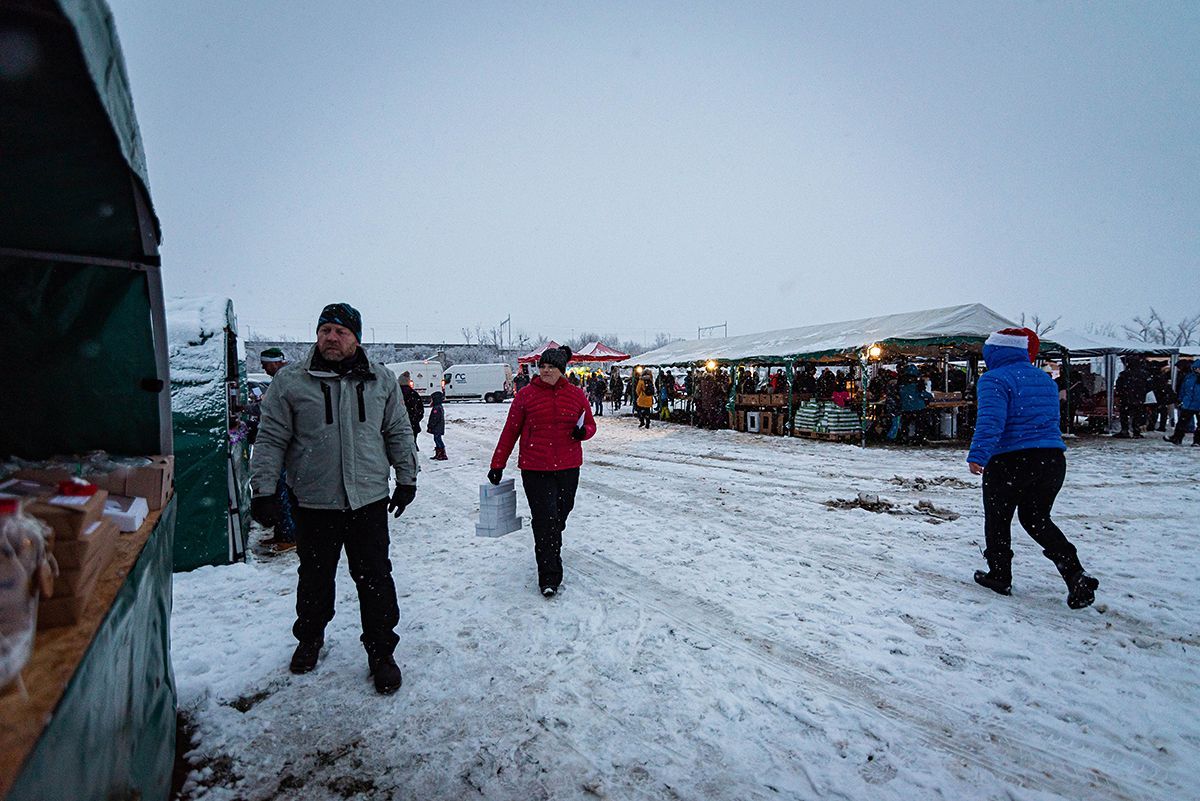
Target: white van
[
  {"x": 492, "y": 382},
  {"x": 426, "y": 377}
]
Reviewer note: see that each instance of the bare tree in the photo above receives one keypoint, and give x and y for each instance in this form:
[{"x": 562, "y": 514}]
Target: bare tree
[
  {"x": 1147, "y": 328},
  {"x": 1185, "y": 332},
  {"x": 466, "y": 334},
  {"x": 1040, "y": 327},
  {"x": 1101, "y": 329},
  {"x": 661, "y": 338}
]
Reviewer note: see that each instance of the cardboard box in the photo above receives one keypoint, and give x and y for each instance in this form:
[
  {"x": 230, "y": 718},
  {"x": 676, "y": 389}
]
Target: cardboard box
[
  {"x": 153, "y": 482},
  {"x": 73, "y": 588},
  {"x": 74, "y": 554},
  {"x": 69, "y": 516},
  {"x": 111, "y": 482},
  {"x": 126, "y": 511}
]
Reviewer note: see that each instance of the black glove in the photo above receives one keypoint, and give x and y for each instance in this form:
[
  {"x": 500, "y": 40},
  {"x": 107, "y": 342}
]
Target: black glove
[
  {"x": 265, "y": 509},
  {"x": 401, "y": 498},
  {"x": 577, "y": 433},
  {"x": 495, "y": 474}
]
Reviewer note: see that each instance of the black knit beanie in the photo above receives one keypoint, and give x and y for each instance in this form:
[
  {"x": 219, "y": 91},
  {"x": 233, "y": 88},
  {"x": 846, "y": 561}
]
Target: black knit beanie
[
  {"x": 344, "y": 315},
  {"x": 556, "y": 357}
]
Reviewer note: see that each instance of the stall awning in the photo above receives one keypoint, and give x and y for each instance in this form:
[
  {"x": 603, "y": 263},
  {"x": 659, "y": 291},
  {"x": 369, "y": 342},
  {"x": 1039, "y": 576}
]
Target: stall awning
[
  {"x": 968, "y": 324},
  {"x": 598, "y": 352},
  {"x": 536, "y": 353},
  {"x": 1079, "y": 343}
]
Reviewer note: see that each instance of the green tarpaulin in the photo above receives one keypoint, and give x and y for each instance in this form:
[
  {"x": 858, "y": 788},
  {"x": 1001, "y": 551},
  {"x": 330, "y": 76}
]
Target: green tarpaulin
[{"x": 82, "y": 296}]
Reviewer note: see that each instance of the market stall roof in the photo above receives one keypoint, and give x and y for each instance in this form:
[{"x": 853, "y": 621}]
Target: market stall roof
[
  {"x": 968, "y": 324},
  {"x": 1079, "y": 343},
  {"x": 73, "y": 155},
  {"x": 598, "y": 352},
  {"x": 536, "y": 353}
]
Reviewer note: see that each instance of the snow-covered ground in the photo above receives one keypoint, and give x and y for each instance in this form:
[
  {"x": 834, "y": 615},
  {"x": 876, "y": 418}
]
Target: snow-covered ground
[{"x": 723, "y": 634}]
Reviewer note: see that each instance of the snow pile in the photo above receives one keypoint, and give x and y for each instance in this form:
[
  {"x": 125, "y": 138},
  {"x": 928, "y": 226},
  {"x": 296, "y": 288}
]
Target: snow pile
[
  {"x": 197, "y": 355},
  {"x": 722, "y": 634}
]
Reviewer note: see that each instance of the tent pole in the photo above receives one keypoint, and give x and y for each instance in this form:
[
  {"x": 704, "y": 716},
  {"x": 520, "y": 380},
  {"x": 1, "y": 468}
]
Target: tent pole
[{"x": 1110, "y": 367}]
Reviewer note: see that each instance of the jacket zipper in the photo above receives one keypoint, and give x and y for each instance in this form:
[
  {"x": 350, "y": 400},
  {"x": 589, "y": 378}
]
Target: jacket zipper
[
  {"x": 362, "y": 407},
  {"x": 328, "y": 404}
]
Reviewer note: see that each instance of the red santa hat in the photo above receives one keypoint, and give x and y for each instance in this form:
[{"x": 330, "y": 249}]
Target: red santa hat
[{"x": 1021, "y": 338}]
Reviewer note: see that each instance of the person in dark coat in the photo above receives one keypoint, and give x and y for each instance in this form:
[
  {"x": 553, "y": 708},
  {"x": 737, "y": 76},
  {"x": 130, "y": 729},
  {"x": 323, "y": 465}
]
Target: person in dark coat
[
  {"x": 412, "y": 403},
  {"x": 595, "y": 390},
  {"x": 1132, "y": 385},
  {"x": 522, "y": 379},
  {"x": 1018, "y": 449},
  {"x": 283, "y": 537},
  {"x": 1165, "y": 398},
  {"x": 551, "y": 419},
  {"x": 436, "y": 425},
  {"x": 914, "y": 400},
  {"x": 616, "y": 388}
]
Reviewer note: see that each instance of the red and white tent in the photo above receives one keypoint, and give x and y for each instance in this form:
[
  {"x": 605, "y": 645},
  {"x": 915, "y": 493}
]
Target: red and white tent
[
  {"x": 536, "y": 353},
  {"x": 598, "y": 352}
]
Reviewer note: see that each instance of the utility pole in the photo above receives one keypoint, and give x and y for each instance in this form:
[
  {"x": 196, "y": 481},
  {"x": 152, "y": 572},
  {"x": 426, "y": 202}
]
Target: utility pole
[{"x": 507, "y": 321}]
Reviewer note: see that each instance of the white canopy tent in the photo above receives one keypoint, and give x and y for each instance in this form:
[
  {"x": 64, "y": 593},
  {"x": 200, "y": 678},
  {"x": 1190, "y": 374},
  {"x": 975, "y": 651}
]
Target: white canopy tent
[
  {"x": 968, "y": 324},
  {"x": 1082, "y": 345}
]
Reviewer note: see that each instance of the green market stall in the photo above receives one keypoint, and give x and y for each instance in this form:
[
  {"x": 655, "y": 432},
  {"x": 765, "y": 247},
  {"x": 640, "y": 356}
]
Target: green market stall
[
  {"x": 208, "y": 392},
  {"x": 83, "y": 296},
  {"x": 942, "y": 334}
]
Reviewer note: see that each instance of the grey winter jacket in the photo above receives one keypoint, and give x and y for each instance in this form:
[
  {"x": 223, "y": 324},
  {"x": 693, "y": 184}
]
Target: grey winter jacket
[{"x": 336, "y": 435}]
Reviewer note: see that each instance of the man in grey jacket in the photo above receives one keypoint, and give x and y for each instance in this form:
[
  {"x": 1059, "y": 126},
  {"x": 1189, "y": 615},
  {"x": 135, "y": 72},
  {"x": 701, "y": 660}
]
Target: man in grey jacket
[{"x": 337, "y": 423}]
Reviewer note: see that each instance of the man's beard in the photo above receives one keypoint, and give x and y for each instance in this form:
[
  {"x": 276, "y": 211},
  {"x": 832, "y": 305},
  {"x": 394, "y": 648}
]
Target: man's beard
[{"x": 333, "y": 353}]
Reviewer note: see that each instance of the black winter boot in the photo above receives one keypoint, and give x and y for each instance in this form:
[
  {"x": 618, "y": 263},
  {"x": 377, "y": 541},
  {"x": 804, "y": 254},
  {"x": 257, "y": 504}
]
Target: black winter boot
[
  {"x": 1081, "y": 588},
  {"x": 304, "y": 658},
  {"x": 996, "y": 582},
  {"x": 998, "y": 577},
  {"x": 386, "y": 674}
]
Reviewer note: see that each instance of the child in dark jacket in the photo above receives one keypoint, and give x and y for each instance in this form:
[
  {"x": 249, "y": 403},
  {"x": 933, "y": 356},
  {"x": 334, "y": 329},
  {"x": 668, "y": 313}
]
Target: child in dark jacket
[{"x": 436, "y": 425}]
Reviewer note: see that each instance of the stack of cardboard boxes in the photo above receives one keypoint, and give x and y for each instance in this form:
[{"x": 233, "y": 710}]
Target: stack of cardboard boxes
[{"x": 87, "y": 516}]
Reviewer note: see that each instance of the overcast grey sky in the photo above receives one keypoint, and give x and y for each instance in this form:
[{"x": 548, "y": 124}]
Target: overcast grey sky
[{"x": 641, "y": 167}]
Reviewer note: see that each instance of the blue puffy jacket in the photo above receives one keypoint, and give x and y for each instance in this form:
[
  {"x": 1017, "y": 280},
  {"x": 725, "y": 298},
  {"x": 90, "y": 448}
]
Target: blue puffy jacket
[
  {"x": 1018, "y": 407},
  {"x": 1189, "y": 392}
]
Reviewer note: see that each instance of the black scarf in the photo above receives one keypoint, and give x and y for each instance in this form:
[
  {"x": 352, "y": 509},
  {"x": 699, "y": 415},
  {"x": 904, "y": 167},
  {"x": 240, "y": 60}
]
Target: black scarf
[{"x": 356, "y": 366}]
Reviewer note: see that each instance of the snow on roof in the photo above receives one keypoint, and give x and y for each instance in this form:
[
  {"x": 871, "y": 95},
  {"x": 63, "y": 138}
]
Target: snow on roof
[
  {"x": 1079, "y": 343},
  {"x": 196, "y": 348},
  {"x": 969, "y": 322}
]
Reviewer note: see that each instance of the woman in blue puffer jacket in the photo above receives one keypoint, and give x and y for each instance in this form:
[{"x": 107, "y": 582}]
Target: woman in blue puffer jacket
[{"x": 1019, "y": 451}]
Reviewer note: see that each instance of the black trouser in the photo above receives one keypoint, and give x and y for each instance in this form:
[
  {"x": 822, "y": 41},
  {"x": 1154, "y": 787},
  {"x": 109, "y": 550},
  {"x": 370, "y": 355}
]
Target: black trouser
[
  {"x": 1185, "y": 416},
  {"x": 1027, "y": 482},
  {"x": 364, "y": 533},
  {"x": 551, "y": 496},
  {"x": 643, "y": 415},
  {"x": 1131, "y": 413},
  {"x": 598, "y": 407}
]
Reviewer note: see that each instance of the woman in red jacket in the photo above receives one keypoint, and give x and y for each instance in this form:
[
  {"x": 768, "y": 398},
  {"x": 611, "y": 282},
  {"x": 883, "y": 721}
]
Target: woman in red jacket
[{"x": 551, "y": 417}]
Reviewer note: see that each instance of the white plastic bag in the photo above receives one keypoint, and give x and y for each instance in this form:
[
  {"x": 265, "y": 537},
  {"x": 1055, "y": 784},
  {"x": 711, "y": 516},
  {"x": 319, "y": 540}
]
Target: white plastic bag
[{"x": 23, "y": 563}]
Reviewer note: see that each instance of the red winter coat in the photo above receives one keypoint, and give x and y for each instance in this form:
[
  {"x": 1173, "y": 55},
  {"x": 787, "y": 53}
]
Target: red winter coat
[{"x": 543, "y": 416}]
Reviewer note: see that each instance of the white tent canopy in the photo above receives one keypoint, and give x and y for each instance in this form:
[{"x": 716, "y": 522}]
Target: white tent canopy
[
  {"x": 967, "y": 324},
  {"x": 1081, "y": 344}
]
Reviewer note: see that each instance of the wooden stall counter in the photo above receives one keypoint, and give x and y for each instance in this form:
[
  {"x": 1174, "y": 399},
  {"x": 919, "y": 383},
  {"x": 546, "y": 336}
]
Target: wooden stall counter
[{"x": 57, "y": 653}]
